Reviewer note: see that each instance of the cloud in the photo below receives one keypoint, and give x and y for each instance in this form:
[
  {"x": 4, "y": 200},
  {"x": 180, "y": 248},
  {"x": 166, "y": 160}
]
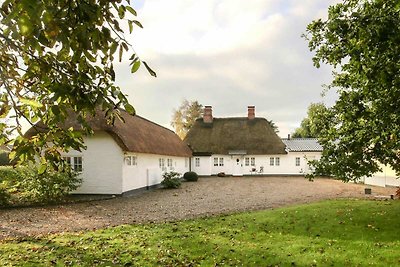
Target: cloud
[{"x": 229, "y": 55}]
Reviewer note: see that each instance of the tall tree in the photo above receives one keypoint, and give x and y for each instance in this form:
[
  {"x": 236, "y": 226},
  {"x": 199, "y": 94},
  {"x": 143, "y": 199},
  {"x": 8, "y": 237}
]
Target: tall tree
[
  {"x": 273, "y": 126},
  {"x": 310, "y": 125},
  {"x": 361, "y": 40},
  {"x": 184, "y": 117},
  {"x": 57, "y": 57}
]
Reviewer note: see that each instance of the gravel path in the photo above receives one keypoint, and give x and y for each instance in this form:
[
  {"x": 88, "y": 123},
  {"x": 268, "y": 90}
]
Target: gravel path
[{"x": 209, "y": 196}]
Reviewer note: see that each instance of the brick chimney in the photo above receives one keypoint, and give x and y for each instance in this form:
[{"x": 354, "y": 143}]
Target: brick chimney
[
  {"x": 251, "y": 112},
  {"x": 207, "y": 116}
]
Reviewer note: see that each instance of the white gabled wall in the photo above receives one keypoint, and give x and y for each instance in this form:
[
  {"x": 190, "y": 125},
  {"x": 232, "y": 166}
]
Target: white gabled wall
[
  {"x": 102, "y": 165},
  {"x": 148, "y": 172},
  {"x": 204, "y": 167}
]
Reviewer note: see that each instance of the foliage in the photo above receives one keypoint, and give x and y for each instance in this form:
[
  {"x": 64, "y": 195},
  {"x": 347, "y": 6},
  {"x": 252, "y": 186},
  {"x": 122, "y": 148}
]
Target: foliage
[
  {"x": 57, "y": 57},
  {"x": 361, "y": 40},
  {"x": 274, "y": 126},
  {"x": 185, "y": 116},
  {"x": 310, "y": 126},
  {"x": 27, "y": 186},
  {"x": 4, "y": 160},
  {"x": 330, "y": 233},
  {"x": 171, "y": 180},
  {"x": 4, "y": 196},
  {"x": 190, "y": 176}
]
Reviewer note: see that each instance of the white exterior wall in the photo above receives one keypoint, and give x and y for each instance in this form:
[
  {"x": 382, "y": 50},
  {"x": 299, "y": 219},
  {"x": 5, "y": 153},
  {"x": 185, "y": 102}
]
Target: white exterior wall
[
  {"x": 148, "y": 172},
  {"x": 101, "y": 165},
  {"x": 205, "y": 165},
  {"x": 387, "y": 177},
  {"x": 287, "y": 164}
]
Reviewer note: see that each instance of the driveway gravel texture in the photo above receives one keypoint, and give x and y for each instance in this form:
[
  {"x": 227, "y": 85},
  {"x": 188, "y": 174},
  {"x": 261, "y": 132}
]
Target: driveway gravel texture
[{"x": 207, "y": 197}]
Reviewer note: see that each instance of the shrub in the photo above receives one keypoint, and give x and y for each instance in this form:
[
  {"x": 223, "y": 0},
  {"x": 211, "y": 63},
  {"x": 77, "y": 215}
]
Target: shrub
[
  {"x": 171, "y": 180},
  {"x": 51, "y": 186},
  {"x": 27, "y": 186},
  {"x": 191, "y": 176},
  {"x": 4, "y": 160},
  {"x": 4, "y": 196}
]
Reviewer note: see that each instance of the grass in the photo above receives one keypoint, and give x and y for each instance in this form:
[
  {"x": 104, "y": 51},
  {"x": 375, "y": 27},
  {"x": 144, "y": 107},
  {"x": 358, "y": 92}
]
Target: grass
[{"x": 329, "y": 233}]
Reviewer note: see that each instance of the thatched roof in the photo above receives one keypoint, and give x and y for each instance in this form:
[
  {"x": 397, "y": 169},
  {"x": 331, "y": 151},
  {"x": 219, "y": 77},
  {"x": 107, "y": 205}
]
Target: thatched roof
[
  {"x": 229, "y": 135},
  {"x": 137, "y": 134}
]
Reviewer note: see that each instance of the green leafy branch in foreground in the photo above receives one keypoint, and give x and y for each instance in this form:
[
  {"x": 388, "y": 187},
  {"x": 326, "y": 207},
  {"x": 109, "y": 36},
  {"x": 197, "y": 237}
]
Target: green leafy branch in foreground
[
  {"x": 57, "y": 57},
  {"x": 329, "y": 233},
  {"x": 361, "y": 40}
]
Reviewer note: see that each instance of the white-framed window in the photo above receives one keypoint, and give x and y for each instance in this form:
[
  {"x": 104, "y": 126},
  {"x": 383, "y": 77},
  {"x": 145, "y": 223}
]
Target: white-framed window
[
  {"x": 197, "y": 162},
  {"x": 221, "y": 161},
  {"x": 246, "y": 161},
  {"x": 271, "y": 161},
  {"x": 75, "y": 162},
  {"x": 297, "y": 161},
  {"x": 253, "y": 161},
  {"x": 277, "y": 161},
  {"x": 131, "y": 160},
  {"x": 215, "y": 161},
  {"x": 161, "y": 163},
  {"x": 169, "y": 163}
]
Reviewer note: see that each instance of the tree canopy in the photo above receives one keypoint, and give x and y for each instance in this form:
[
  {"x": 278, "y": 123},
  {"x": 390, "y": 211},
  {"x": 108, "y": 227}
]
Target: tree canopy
[
  {"x": 184, "y": 117},
  {"x": 58, "y": 57},
  {"x": 361, "y": 40},
  {"x": 310, "y": 126}
]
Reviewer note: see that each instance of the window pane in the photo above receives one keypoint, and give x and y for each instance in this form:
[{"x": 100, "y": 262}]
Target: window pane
[
  {"x": 77, "y": 164},
  {"x": 253, "y": 162},
  {"x": 128, "y": 160},
  {"x": 277, "y": 161},
  {"x": 246, "y": 161},
  {"x": 215, "y": 161},
  {"x": 271, "y": 161},
  {"x": 221, "y": 161}
]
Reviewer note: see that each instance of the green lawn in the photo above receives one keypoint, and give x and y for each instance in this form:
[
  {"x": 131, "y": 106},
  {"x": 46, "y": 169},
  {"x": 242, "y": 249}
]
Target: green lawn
[{"x": 329, "y": 233}]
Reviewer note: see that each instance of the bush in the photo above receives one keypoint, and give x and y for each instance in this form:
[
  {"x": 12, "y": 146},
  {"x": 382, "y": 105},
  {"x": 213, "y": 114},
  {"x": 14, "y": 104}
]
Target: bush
[
  {"x": 171, "y": 180},
  {"x": 27, "y": 186},
  {"x": 4, "y": 160},
  {"x": 191, "y": 176},
  {"x": 4, "y": 197}
]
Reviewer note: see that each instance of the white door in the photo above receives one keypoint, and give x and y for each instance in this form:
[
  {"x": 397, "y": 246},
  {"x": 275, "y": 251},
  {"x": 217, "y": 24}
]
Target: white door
[{"x": 237, "y": 166}]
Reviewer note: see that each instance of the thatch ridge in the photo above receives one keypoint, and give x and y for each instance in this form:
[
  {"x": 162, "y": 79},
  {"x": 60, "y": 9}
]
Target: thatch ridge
[{"x": 255, "y": 136}]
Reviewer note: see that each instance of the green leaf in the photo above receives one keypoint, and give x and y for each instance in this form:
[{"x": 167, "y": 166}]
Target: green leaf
[
  {"x": 42, "y": 168},
  {"x": 121, "y": 51},
  {"x": 137, "y": 23},
  {"x": 152, "y": 73},
  {"x": 130, "y": 109},
  {"x": 131, "y": 10},
  {"x": 130, "y": 24},
  {"x": 31, "y": 102},
  {"x": 135, "y": 66},
  {"x": 121, "y": 12}
]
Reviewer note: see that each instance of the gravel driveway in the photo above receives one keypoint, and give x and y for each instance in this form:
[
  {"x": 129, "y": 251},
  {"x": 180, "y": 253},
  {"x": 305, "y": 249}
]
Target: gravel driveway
[{"x": 209, "y": 196}]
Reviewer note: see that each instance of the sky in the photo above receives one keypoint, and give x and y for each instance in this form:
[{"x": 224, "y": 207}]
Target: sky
[{"x": 228, "y": 54}]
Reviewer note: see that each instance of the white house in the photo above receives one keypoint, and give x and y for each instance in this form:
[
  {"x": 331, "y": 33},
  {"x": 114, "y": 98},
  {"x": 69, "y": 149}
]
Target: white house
[
  {"x": 125, "y": 157},
  {"x": 246, "y": 145},
  {"x": 300, "y": 152},
  {"x": 386, "y": 177}
]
